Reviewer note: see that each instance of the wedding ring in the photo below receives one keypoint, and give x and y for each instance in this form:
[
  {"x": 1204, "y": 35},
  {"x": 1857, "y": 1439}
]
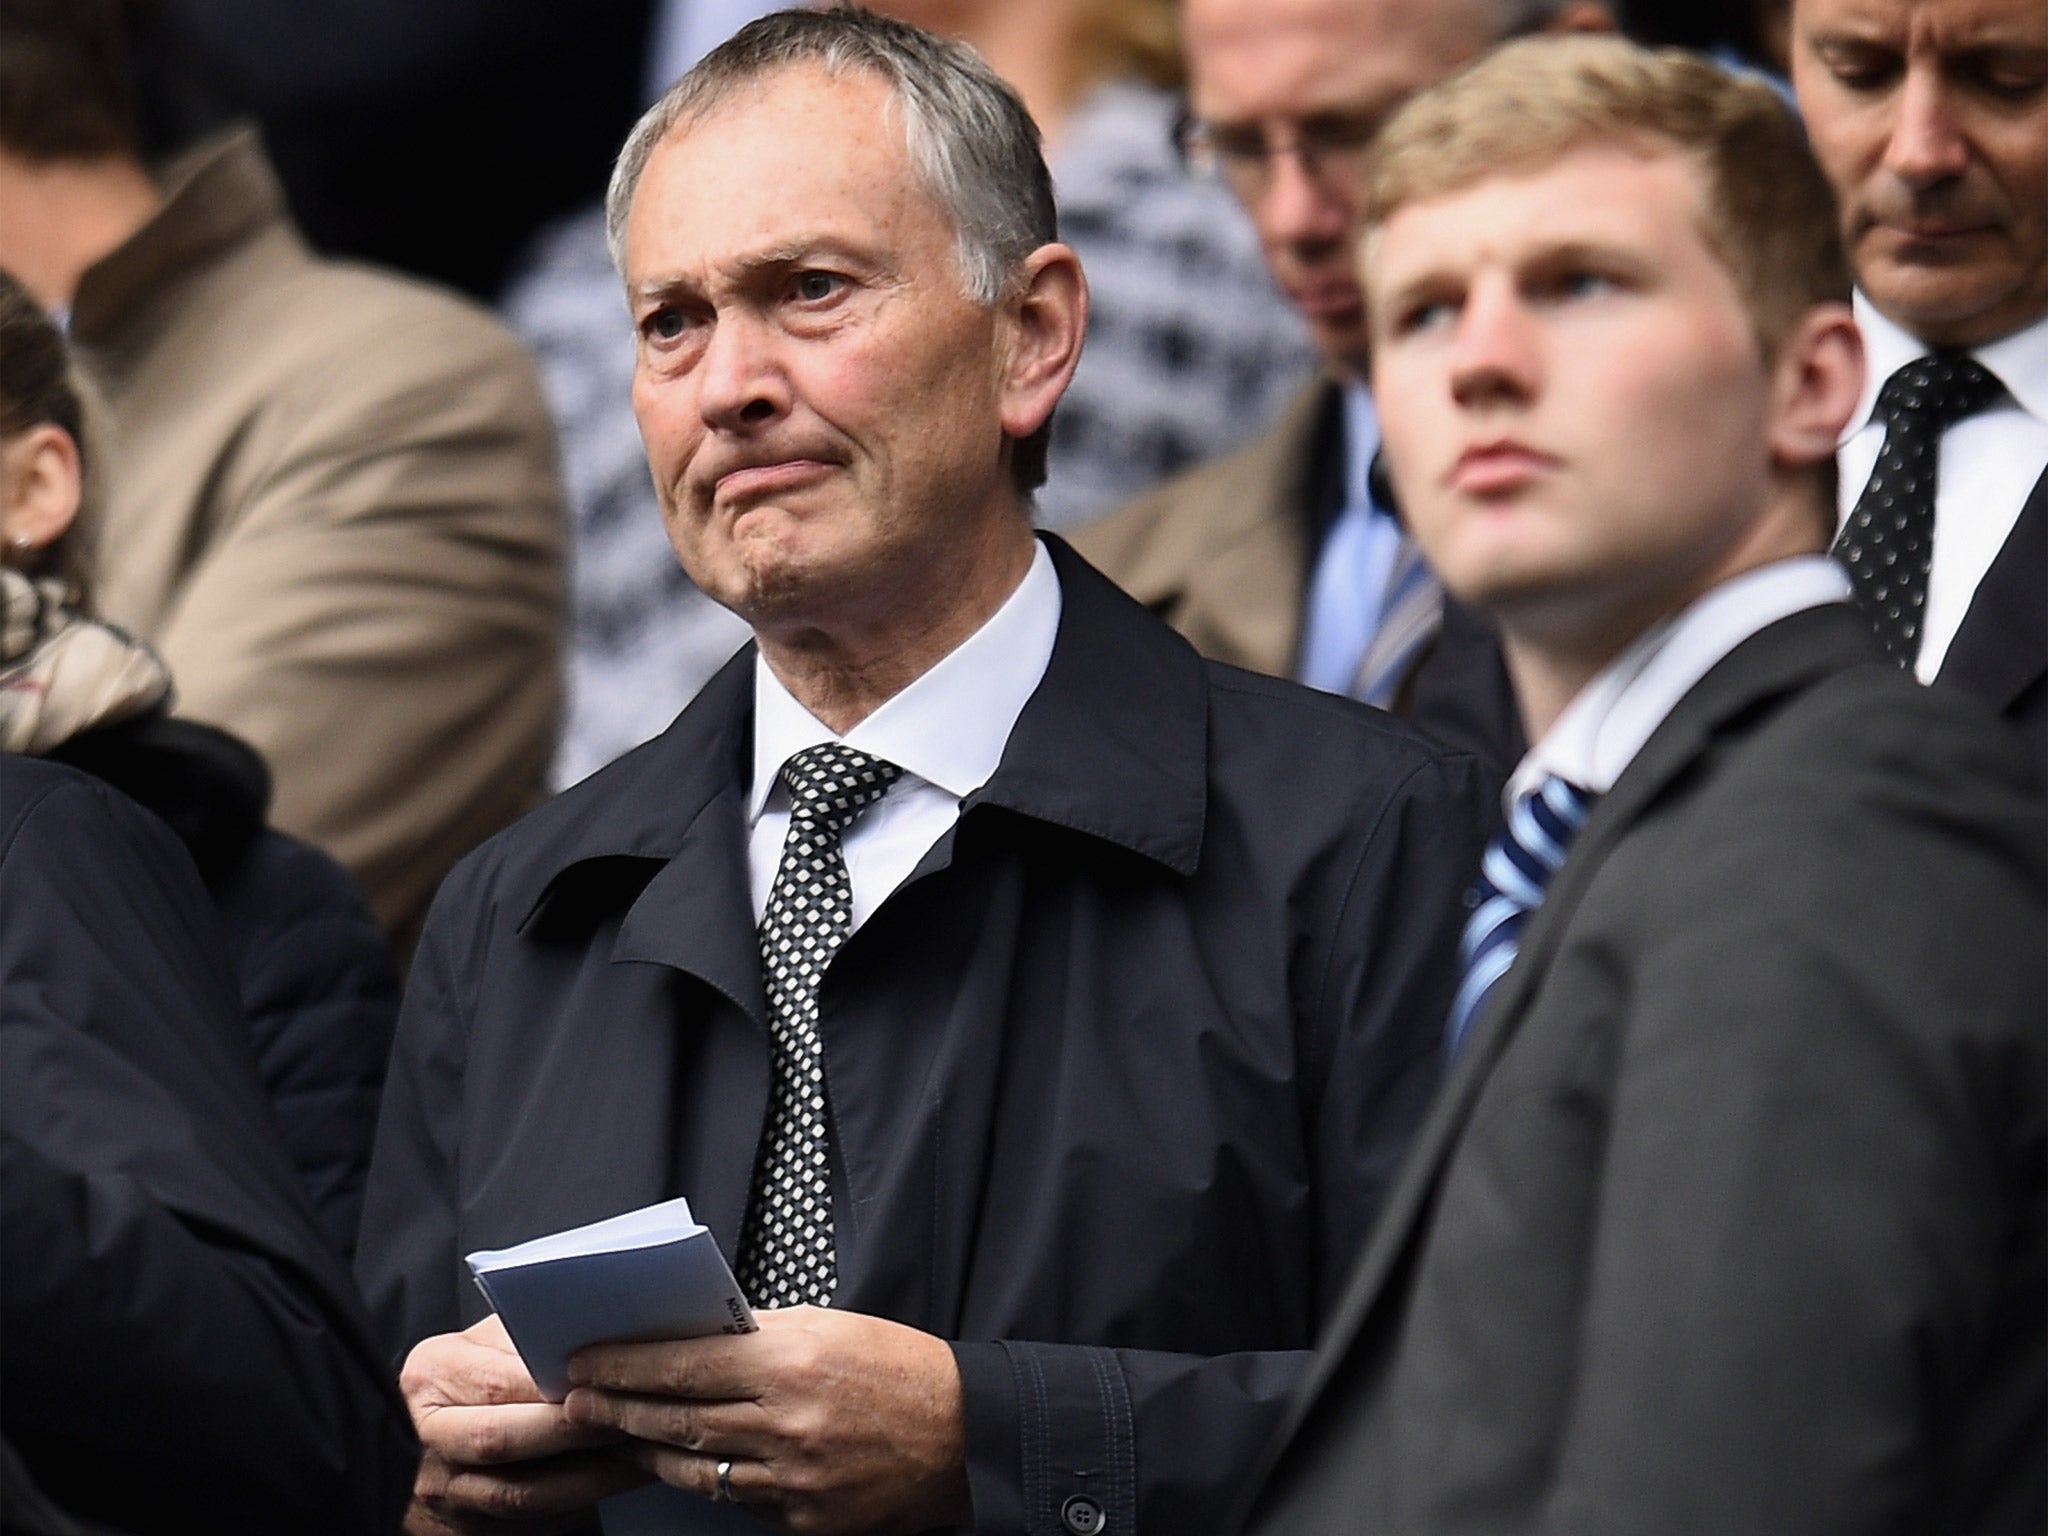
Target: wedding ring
[{"x": 725, "y": 1482}]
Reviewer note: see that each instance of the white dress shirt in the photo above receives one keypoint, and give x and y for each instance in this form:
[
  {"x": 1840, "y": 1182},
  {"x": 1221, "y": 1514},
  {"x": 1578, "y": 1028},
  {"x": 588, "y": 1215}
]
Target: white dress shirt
[
  {"x": 1987, "y": 465},
  {"x": 1607, "y": 722},
  {"x": 946, "y": 731}
]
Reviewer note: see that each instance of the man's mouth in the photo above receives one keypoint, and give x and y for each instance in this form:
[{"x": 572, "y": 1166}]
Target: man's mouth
[
  {"x": 1497, "y": 468},
  {"x": 751, "y": 481},
  {"x": 1326, "y": 301}
]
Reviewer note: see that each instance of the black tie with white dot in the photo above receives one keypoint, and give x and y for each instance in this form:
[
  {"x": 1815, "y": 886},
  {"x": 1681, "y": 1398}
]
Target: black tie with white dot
[
  {"x": 1888, "y": 541},
  {"x": 787, "y": 1257}
]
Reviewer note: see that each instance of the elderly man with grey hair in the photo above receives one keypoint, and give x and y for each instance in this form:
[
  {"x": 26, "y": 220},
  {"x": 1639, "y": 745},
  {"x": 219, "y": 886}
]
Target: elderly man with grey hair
[{"x": 1032, "y": 1010}]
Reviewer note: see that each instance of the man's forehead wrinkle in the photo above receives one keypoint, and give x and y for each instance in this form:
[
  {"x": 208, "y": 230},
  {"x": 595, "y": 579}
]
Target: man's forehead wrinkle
[
  {"x": 666, "y": 206},
  {"x": 1945, "y": 27},
  {"x": 1334, "y": 65},
  {"x": 746, "y": 266}
]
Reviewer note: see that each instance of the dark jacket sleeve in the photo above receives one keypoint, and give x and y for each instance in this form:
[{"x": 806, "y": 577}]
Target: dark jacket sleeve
[
  {"x": 182, "y": 1348},
  {"x": 408, "y": 1254},
  {"x": 1160, "y": 1443},
  {"x": 320, "y": 988}
]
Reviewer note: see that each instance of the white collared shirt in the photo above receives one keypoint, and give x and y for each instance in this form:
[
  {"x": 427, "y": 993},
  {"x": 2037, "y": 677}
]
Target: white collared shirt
[
  {"x": 1608, "y": 720},
  {"x": 1988, "y": 464},
  {"x": 946, "y": 731}
]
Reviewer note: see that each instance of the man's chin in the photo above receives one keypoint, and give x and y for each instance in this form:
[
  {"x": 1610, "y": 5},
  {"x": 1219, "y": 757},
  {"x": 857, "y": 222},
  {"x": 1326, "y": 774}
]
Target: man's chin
[
  {"x": 1342, "y": 345},
  {"x": 1946, "y": 300}
]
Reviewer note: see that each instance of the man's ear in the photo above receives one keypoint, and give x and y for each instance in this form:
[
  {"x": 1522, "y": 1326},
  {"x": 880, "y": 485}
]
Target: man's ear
[
  {"x": 1815, "y": 385},
  {"x": 1046, "y": 317},
  {"x": 1582, "y": 16},
  {"x": 42, "y": 486}
]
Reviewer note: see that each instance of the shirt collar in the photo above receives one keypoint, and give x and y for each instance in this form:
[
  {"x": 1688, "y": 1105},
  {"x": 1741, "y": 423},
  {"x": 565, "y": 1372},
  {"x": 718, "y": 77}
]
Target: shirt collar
[
  {"x": 1361, "y": 441},
  {"x": 2020, "y": 361},
  {"x": 950, "y": 726},
  {"x": 1605, "y": 726}
]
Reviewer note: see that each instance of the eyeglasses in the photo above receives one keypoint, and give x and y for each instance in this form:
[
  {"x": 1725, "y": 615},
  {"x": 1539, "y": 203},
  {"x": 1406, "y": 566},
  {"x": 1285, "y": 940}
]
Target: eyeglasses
[{"x": 1331, "y": 149}]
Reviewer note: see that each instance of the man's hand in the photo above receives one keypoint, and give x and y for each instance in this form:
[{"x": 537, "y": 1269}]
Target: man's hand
[
  {"x": 497, "y": 1455},
  {"x": 834, "y": 1422}
]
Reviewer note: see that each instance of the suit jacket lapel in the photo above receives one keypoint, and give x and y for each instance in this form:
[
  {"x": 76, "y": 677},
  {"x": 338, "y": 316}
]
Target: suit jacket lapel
[
  {"x": 2002, "y": 647},
  {"x": 1776, "y": 660},
  {"x": 1254, "y": 517}
]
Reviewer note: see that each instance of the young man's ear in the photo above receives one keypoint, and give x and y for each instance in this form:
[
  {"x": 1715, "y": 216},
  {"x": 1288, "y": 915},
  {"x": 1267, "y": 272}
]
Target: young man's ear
[
  {"x": 42, "y": 484},
  {"x": 1048, "y": 318},
  {"x": 1817, "y": 383}
]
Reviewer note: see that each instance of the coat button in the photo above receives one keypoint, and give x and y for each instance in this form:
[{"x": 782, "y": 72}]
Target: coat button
[{"x": 1083, "y": 1516}]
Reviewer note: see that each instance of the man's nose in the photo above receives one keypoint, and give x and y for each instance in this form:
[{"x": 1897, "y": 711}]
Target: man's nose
[
  {"x": 1494, "y": 350},
  {"x": 1299, "y": 205},
  {"x": 1927, "y": 143},
  {"x": 742, "y": 384}
]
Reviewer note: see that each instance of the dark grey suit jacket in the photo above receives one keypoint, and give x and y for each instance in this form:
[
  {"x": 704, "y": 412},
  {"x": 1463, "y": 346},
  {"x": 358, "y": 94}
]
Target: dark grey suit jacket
[{"x": 1730, "y": 1216}]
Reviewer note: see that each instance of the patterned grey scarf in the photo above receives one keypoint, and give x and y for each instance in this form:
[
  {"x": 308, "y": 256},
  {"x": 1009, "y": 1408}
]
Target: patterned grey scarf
[{"x": 62, "y": 673}]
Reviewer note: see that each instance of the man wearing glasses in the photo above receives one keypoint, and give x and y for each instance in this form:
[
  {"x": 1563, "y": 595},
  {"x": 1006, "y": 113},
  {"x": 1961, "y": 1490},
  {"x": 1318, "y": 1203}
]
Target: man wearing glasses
[{"x": 1280, "y": 557}]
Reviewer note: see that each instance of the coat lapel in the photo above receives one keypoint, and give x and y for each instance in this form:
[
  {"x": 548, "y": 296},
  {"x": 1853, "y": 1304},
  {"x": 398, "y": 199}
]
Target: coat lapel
[
  {"x": 1222, "y": 552},
  {"x": 695, "y": 916},
  {"x": 1242, "y": 596},
  {"x": 664, "y": 831},
  {"x": 1782, "y": 657},
  {"x": 2002, "y": 647}
]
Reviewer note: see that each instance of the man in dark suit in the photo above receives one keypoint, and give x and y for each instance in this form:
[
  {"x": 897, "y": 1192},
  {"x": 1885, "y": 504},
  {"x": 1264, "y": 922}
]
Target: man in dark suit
[
  {"x": 1930, "y": 117},
  {"x": 1729, "y": 1217},
  {"x": 1032, "y": 1010}
]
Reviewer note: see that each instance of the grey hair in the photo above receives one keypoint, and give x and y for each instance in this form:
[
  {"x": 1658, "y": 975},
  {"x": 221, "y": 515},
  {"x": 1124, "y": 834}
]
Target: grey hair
[{"x": 973, "y": 145}]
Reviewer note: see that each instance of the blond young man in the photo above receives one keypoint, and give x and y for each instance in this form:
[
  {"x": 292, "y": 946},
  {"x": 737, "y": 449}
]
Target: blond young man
[{"x": 1729, "y": 1217}]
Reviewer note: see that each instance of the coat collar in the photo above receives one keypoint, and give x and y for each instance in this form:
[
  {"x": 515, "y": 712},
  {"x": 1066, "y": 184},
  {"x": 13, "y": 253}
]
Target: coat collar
[
  {"x": 1779, "y": 660},
  {"x": 220, "y": 193},
  {"x": 1113, "y": 744},
  {"x": 1115, "y": 741}
]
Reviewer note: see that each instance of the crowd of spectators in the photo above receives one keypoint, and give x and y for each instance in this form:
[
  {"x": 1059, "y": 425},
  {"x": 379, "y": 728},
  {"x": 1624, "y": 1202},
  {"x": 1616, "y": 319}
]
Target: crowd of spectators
[{"x": 1203, "y": 984}]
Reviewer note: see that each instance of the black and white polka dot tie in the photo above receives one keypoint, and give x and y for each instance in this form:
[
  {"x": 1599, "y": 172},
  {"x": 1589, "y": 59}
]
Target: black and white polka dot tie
[
  {"x": 786, "y": 1252},
  {"x": 1888, "y": 541}
]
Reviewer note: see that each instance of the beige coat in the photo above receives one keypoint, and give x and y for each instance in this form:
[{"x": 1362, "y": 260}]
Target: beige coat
[
  {"x": 334, "y": 508},
  {"x": 1221, "y": 552}
]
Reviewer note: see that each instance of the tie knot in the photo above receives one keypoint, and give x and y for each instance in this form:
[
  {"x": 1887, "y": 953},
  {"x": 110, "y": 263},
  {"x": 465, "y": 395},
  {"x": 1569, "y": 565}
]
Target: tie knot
[
  {"x": 832, "y": 783},
  {"x": 1541, "y": 825},
  {"x": 1940, "y": 390}
]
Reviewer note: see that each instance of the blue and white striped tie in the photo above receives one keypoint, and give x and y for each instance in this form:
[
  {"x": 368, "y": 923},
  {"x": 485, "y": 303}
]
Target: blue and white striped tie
[{"x": 1513, "y": 874}]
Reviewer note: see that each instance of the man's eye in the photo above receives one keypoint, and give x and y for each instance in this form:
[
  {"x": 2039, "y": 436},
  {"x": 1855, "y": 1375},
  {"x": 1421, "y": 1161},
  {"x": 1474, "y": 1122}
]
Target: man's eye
[
  {"x": 1339, "y": 135},
  {"x": 2016, "y": 81},
  {"x": 664, "y": 324},
  {"x": 1860, "y": 71},
  {"x": 816, "y": 287},
  {"x": 1231, "y": 143},
  {"x": 1424, "y": 316},
  {"x": 1584, "y": 285}
]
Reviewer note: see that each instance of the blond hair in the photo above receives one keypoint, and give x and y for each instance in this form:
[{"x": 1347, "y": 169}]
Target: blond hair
[{"x": 1768, "y": 212}]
